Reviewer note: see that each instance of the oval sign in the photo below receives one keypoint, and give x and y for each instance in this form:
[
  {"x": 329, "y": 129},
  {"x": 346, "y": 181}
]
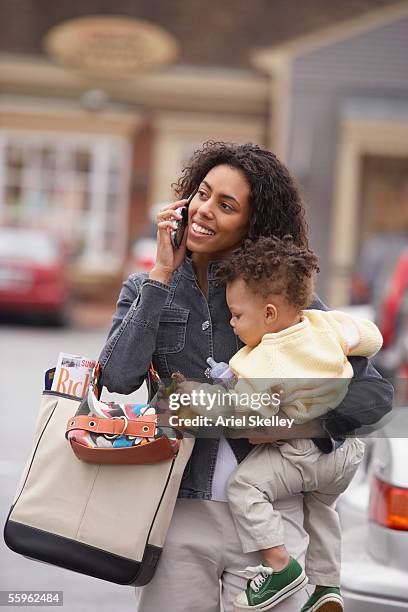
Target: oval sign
[{"x": 110, "y": 46}]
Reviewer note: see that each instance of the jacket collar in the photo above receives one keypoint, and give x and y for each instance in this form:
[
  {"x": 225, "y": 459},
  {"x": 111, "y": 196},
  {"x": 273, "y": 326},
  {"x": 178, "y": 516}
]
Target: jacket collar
[{"x": 187, "y": 268}]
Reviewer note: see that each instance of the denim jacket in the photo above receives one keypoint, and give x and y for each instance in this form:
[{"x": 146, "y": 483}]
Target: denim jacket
[{"x": 178, "y": 328}]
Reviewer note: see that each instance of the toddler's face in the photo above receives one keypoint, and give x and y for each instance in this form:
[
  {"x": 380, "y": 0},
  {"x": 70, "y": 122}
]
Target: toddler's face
[{"x": 247, "y": 312}]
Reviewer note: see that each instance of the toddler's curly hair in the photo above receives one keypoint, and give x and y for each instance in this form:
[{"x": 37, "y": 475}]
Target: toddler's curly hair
[{"x": 273, "y": 266}]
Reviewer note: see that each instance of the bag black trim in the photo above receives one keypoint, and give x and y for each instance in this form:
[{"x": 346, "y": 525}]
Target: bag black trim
[
  {"x": 79, "y": 557},
  {"x": 58, "y": 394}
]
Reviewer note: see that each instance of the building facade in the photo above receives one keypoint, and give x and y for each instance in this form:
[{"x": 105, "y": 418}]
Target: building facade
[
  {"x": 87, "y": 157},
  {"x": 343, "y": 129}
]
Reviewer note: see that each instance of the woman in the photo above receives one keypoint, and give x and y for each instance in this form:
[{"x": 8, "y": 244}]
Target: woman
[{"x": 177, "y": 317}]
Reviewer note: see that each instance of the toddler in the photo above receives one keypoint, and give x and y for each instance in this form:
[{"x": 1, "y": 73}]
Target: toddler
[{"x": 269, "y": 284}]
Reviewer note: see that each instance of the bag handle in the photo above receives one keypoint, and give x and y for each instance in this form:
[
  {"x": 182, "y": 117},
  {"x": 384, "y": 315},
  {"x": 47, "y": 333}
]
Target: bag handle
[{"x": 97, "y": 371}]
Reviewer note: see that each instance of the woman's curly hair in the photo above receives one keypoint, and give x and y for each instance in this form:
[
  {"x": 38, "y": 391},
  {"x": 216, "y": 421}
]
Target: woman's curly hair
[
  {"x": 276, "y": 204},
  {"x": 273, "y": 266}
]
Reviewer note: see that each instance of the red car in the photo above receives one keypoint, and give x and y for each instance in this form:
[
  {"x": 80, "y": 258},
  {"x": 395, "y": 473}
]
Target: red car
[
  {"x": 393, "y": 324},
  {"x": 33, "y": 279}
]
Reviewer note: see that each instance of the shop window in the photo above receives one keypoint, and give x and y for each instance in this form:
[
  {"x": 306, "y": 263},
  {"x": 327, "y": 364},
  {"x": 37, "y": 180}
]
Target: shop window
[{"x": 74, "y": 187}]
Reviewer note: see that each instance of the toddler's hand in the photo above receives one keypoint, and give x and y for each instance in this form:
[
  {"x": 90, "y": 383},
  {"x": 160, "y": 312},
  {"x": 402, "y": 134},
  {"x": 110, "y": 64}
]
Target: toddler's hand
[{"x": 187, "y": 386}]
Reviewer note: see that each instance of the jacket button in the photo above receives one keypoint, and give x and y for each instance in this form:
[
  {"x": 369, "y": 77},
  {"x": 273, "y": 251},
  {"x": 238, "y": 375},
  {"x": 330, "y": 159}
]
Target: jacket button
[
  {"x": 205, "y": 325},
  {"x": 207, "y": 372}
]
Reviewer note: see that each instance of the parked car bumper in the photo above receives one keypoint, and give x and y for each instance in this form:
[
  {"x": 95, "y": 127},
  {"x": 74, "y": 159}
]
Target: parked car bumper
[
  {"x": 368, "y": 585},
  {"x": 40, "y": 298},
  {"x": 360, "y": 602}
]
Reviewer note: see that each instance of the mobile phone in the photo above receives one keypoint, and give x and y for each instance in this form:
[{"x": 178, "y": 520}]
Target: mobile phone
[{"x": 176, "y": 235}]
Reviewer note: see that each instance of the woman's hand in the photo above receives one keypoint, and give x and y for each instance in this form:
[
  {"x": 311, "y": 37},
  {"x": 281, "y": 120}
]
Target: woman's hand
[{"x": 168, "y": 259}]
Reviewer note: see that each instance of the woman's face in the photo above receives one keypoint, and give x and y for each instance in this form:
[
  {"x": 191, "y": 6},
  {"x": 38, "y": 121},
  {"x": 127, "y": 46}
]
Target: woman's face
[{"x": 219, "y": 212}]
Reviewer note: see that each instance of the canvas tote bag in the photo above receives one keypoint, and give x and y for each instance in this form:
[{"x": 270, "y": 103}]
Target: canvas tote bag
[{"x": 106, "y": 521}]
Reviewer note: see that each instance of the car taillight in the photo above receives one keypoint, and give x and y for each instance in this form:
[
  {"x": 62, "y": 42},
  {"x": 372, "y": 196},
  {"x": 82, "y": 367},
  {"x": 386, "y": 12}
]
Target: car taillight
[{"x": 388, "y": 505}]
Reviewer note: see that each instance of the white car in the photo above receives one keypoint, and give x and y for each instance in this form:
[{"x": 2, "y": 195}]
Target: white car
[{"x": 374, "y": 516}]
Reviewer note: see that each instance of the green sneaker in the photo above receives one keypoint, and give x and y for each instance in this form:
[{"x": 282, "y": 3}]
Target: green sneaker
[
  {"x": 326, "y": 600},
  {"x": 266, "y": 587}
]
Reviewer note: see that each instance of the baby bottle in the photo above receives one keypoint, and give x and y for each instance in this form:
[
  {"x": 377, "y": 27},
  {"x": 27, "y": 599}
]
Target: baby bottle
[{"x": 219, "y": 370}]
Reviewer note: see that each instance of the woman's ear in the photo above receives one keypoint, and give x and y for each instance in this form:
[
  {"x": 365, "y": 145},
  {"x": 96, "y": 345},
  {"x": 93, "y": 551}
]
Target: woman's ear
[{"x": 270, "y": 313}]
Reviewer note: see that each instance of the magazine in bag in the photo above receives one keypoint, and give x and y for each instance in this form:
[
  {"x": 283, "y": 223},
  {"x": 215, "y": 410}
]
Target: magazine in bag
[{"x": 72, "y": 374}]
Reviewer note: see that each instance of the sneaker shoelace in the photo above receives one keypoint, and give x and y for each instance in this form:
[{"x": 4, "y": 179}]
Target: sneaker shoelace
[{"x": 259, "y": 574}]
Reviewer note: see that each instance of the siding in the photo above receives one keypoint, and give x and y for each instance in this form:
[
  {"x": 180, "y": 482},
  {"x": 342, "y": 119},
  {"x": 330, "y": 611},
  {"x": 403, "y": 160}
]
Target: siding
[{"x": 374, "y": 65}]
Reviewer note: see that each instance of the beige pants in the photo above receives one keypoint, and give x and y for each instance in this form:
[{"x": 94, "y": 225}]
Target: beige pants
[
  {"x": 199, "y": 563},
  {"x": 270, "y": 473}
]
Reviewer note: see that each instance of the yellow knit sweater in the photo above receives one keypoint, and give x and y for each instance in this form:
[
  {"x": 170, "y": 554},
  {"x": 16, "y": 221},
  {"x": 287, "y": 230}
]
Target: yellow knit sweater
[{"x": 308, "y": 361}]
